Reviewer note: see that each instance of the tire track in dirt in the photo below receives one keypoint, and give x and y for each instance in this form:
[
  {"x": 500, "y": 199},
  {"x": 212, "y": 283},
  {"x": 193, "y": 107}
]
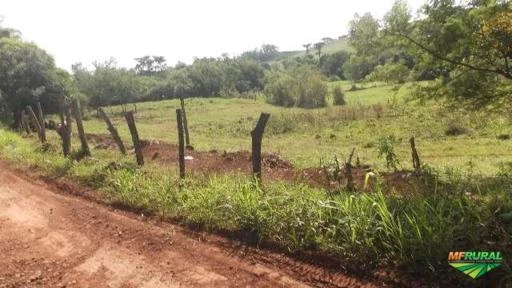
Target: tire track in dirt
[{"x": 53, "y": 240}]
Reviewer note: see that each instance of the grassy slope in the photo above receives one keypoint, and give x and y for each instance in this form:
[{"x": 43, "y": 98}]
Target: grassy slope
[
  {"x": 225, "y": 124},
  {"x": 329, "y": 48}
]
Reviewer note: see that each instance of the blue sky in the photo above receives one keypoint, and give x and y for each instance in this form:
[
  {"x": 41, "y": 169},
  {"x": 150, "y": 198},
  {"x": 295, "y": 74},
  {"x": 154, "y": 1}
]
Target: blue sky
[{"x": 85, "y": 31}]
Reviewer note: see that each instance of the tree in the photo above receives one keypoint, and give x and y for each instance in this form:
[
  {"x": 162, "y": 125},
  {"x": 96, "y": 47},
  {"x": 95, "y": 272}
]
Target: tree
[
  {"x": 318, "y": 46},
  {"x": 327, "y": 39},
  {"x": 364, "y": 35},
  {"x": 466, "y": 41},
  {"x": 269, "y": 52},
  {"x": 150, "y": 65},
  {"x": 332, "y": 64},
  {"x": 266, "y": 53},
  {"x": 391, "y": 73},
  {"x": 108, "y": 84},
  {"x": 307, "y": 46},
  {"x": 358, "y": 67},
  {"x": 27, "y": 75},
  {"x": 8, "y": 32}
]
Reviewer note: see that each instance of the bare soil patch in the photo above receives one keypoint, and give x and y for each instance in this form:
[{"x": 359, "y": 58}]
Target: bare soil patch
[{"x": 274, "y": 167}]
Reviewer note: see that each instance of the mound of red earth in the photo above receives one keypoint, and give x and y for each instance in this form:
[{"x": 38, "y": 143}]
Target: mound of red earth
[{"x": 273, "y": 166}]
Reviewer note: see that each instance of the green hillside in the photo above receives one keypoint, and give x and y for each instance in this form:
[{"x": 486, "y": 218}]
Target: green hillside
[{"x": 329, "y": 48}]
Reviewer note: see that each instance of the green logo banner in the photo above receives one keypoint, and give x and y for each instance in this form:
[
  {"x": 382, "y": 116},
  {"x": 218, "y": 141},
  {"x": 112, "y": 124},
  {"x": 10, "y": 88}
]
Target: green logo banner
[{"x": 475, "y": 264}]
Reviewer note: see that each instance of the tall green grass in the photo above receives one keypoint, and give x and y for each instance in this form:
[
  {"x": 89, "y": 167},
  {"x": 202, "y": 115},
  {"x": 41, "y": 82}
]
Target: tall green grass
[{"x": 363, "y": 231}]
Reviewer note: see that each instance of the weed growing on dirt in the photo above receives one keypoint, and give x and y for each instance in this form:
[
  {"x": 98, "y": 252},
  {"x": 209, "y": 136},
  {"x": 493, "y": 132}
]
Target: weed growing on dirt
[{"x": 385, "y": 147}]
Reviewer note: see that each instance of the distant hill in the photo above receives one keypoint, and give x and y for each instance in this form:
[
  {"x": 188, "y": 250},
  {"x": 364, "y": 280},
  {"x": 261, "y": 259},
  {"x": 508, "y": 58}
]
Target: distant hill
[{"x": 330, "y": 47}]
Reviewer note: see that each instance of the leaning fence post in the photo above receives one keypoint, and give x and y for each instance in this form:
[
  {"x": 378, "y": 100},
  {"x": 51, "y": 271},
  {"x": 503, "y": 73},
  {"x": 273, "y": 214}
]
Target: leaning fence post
[
  {"x": 80, "y": 127},
  {"x": 64, "y": 130},
  {"x": 24, "y": 122},
  {"x": 257, "y": 137},
  {"x": 348, "y": 172},
  {"x": 33, "y": 117},
  {"x": 112, "y": 130},
  {"x": 185, "y": 122},
  {"x": 415, "y": 156},
  {"x": 135, "y": 137},
  {"x": 41, "y": 121},
  {"x": 181, "y": 141}
]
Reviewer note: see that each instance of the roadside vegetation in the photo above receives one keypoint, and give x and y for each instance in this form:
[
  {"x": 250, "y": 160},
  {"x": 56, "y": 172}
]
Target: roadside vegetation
[{"x": 362, "y": 231}]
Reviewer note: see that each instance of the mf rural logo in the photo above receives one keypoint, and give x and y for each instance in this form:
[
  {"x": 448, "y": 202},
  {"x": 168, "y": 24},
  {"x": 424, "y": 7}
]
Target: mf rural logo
[{"x": 475, "y": 264}]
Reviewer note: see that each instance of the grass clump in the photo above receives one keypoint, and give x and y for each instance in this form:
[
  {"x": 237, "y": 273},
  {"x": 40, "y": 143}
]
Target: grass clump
[{"x": 338, "y": 96}]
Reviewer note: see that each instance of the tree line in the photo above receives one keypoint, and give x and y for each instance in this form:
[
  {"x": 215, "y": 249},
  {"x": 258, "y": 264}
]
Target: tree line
[{"x": 464, "y": 50}]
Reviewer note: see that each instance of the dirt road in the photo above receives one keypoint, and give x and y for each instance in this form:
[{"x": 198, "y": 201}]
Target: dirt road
[{"x": 50, "y": 239}]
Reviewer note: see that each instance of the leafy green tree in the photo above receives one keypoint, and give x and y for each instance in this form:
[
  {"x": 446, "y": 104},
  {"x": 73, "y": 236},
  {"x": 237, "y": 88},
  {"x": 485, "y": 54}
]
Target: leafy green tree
[
  {"x": 318, "y": 47},
  {"x": 28, "y": 75},
  {"x": 150, "y": 65},
  {"x": 307, "y": 46},
  {"x": 8, "y": 32},
  {"x": 364, "y": 34},
  {"x": 358, "y": 67},
  {"x": 207, "y": 77},
  {"x": 332, "y": 64},
  {"x": 391, "y": 73},
  {"x": 365, "y": 37},
  {"x": 108, "y": 84},
  {"x": 266, "y": 53},
  {"x": 468, "y": 42}
]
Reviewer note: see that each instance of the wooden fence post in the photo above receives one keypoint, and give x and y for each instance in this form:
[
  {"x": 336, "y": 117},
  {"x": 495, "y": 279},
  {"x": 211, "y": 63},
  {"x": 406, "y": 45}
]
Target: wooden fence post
[
  {"x": 80, "y": 127},
  {"x": 135, "y": 137},
  {"x": 257, "y": 137},
  {"x": 348, "y": 172},
  {"x": 33, "y": 117},
  {"x": 24, "y": 122},
  {"x": 64, "y": 130},
  {"x": 112, "y": 130},
  {"x": 185, "y": 122},
  {"x": 415, "y": 156},
  {"x": 41, "y": 121},
  {"x": 181, "y": 141}
]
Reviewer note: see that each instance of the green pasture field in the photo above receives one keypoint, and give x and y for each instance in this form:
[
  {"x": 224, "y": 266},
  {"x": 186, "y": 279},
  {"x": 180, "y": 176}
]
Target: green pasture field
[{"x": 309, "y": 137}]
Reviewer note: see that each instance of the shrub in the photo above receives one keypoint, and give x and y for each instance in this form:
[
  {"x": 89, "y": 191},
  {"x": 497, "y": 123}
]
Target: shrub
[
  {"x": 338, "y": 96},
  {"x": 280, "y": 90},
  {"x": 311, "y": 89},
  {"x": 386, "y": 147},
  {"x": 503, "y": 137},
  {"x": 303, "y": 88},
  {"x": 455, "y": 129}
]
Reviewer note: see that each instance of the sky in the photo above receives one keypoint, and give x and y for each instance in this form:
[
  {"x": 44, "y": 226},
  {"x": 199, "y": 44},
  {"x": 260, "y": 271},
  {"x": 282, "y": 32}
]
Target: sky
[{"x": 92, "y": 30}]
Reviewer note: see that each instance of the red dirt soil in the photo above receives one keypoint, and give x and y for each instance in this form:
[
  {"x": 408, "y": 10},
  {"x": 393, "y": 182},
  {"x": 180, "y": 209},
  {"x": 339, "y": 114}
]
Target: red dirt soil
[
  {"x": 51, "y": 239},
  {"x": 273, "y": 166}
]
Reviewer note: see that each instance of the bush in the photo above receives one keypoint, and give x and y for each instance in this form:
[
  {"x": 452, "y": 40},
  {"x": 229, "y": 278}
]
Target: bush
[
  {"x": 386, "y": 148},
  {"x": 455, "y": 129},
  {"x": 311, "y": 89},
  {"x": 280, "y": 90},
  {"x": 338, "y": 96},
  {"x": 303, "y": 88}
]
